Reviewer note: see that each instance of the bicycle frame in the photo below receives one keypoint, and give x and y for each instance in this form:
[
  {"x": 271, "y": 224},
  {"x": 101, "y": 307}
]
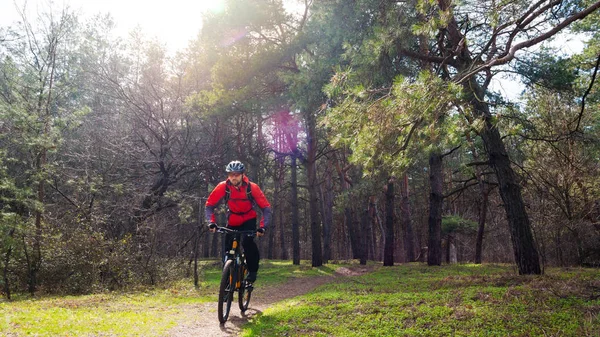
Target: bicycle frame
[{"x": 232, "y": 275}]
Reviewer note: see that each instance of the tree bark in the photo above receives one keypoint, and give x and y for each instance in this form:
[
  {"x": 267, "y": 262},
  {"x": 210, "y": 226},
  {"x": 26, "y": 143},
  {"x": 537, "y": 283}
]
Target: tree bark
[
  {"x": 348, "y": 218},
  {"x": 282, "y": 238},
  {"x": 313, "y": 201},
  {"x": 364, "y": 223},
  {"x": 373, "y": 249},
  {"x": 388, "y": 253},
  {"x": 483, "y": 206},
  {"x": 295, "y": 223},
  {"x": 436, "y": 199},
  {"x": 279, "y": 203},
  {"x": 408, "y": 235},
  {"x": 525, "y": 251},
  {"x": 196, "y": 248},
  {"x": 271, "y": 236},
  {"x": 350, "y": 228},
  {"x": 327, "y": 212},
  {"x": 205, "y": 244}
]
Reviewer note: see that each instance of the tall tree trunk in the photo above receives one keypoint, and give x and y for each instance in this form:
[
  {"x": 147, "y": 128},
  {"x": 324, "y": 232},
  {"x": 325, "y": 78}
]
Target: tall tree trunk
[
  {"x": 436, "y": 199},
  {"x": 7, "y": 256},
  {"x": 271, "y": 236},
  {"x": 388, "y": 253},
  {"x": 5, "y": 273},
  {"x": 282, "y": 239},
  {"x": 373, "y": 251},
  {"x": 558, "y": 244},
  {"x": 525, "y": 251},
  {"x": 448, "y": 243},
  {"x": 214, "y": 248},
  {"x": 357, "y": 220},
  {"x": 274, "y": 224},
  {"x": 42, "y": 159},
  {"x": 350, "y": 228},
  {"x": 276, "y": 205},
  {"x": 482, "y": 205},
  {"x": 195, "y": 253},
  {"x": 348, "y": 219},
  {"x": 278, "y": 212},
  {"x": 295, "y": 222},
  {"x": 313, "y": 185},
  {"x": 217, "y": 248},
  {"x": 205, "y": 245},
  {"x": 482, "y": 215},
  {"x": 579, "y": 242},
  {"x": 379, "y": 222},
  {"x": 408, "y": 235},
  {"x": 313, "y": 201},
  {"x": 327, "y": 212},
  {"x": 364, "y": 223},
  {"x": 36, "y": 254}
]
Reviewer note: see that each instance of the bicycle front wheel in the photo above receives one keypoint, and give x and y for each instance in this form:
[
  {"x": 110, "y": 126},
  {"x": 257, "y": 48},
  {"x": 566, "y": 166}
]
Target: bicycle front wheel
[
  {"x": 226, "y": 291},
  {"x": 245, "y": 291}
]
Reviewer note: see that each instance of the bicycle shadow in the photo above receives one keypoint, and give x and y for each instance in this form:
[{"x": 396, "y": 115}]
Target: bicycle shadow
[{"x": 237, "y": 320}]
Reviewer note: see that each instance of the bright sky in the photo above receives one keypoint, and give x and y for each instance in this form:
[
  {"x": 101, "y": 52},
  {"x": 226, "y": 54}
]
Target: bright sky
[{"x": 174, "y": 22}]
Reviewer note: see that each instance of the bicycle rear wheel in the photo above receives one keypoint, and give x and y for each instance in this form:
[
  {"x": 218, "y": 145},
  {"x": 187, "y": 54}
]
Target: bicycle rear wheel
[
  {"x": 226, "y": 291},
  {"x": 245, "y": 291}
]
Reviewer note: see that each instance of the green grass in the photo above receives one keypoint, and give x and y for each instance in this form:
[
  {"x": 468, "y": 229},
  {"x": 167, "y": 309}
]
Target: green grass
[
  {"x": 145, "y": 312},
  {"x": 461, "y": 300},
  {"x": 407, "y": 300},
  {"x": 139, "y": 313}
]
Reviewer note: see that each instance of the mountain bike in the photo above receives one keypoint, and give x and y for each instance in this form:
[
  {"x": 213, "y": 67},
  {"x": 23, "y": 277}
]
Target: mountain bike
[{"x": 233, "y": 277}]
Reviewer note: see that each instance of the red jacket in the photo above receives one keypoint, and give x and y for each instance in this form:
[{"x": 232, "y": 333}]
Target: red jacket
[{"x": 239, "y": 206}]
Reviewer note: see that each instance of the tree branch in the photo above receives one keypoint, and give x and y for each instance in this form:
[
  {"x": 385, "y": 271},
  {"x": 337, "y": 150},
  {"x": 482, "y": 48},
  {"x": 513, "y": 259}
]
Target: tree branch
[
  {"x": 587, "y": 93},
  {"x": 531, "y": 42}
]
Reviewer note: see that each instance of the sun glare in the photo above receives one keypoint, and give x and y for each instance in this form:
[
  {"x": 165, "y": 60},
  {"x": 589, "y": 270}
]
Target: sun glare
[
  {"x": 174, "y": 22},
  {"x": 214, "y": 6}
]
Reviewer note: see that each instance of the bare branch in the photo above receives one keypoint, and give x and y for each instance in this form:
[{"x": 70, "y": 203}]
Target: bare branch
[
  {"x": 587, "y": 93},
  {"x": 531, "y": 42},
  {"x": 451, "y": 151}
]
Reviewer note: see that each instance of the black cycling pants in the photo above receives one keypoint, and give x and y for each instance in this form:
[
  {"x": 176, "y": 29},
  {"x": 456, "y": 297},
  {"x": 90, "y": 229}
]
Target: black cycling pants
[{"x": 250, "y": 247}]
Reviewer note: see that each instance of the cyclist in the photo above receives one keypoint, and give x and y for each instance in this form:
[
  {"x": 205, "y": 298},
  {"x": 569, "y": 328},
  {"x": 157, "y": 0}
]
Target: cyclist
[{"x": 240, "y": 195}]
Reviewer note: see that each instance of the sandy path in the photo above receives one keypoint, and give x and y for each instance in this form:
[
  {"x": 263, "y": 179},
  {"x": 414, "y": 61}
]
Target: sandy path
[{"x": 201, "y": 319}]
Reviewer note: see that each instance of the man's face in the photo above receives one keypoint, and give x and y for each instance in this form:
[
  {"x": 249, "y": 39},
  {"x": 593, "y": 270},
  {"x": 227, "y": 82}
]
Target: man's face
[{"x": 235, "y": 178}]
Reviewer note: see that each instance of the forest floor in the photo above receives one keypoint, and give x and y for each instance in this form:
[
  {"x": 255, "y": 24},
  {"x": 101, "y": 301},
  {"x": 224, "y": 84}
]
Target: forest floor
[{"x": 201, "y": 319}]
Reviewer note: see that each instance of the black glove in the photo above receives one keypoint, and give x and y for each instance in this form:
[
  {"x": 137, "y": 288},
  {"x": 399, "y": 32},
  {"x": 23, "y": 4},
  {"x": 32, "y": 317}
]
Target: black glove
[
  {"x": 212, "y": 225},
  {"x": 261, "y": 230}
]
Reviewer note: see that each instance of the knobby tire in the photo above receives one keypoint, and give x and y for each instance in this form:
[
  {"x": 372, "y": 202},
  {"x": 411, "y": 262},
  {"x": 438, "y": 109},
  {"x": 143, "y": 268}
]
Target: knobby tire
[
  {"x": 226, "y": 291},
  {"x": 244, "y": 293}
]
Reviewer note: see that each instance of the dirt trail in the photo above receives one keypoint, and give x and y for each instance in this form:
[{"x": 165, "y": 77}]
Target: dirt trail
[{"x": 201, "y": 319}]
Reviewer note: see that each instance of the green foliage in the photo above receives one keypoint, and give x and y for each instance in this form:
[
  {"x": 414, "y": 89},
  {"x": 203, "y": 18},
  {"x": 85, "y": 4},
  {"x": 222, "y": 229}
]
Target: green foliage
[
  {"x": 455, "y": 223},
  {"x": 548, "y": 70},
  {"x": 437, "y": 19},
  {"x": 384, "y": 129}
]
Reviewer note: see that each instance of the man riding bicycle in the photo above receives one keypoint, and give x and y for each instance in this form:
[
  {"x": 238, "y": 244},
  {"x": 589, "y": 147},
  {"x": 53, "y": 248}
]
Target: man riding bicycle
[{"x": 240, "y": 195}]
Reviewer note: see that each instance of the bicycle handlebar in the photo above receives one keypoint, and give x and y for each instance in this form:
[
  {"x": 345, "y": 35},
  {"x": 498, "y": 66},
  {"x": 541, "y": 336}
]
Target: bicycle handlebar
[{"x": 226, "y": 230}]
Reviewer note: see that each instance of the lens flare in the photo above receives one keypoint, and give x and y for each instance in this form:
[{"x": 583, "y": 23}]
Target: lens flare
[{"x": 214, "y": 6}]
